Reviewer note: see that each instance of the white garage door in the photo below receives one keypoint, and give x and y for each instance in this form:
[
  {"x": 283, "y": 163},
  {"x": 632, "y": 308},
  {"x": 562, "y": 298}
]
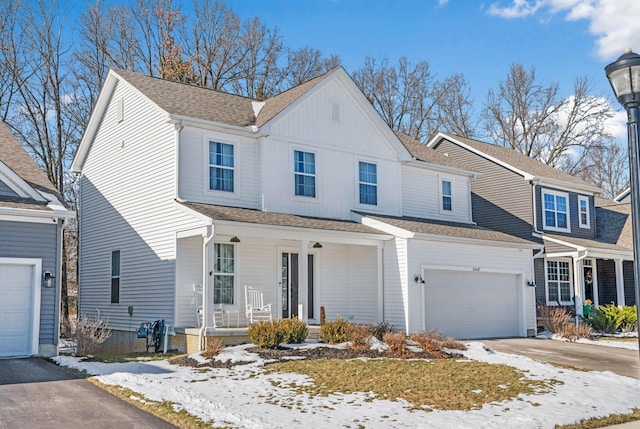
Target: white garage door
[
  {"x": 16, "y": 309},
  {"x": 471, "y": 304}
]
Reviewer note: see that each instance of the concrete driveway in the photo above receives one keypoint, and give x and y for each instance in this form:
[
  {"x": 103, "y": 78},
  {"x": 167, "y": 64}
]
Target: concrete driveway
[
  {"x": 34, "y": 393},
  {"x": 599, "y": 358}
]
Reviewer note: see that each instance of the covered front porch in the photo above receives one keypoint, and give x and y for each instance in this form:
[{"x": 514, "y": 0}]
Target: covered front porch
[
  {"x": 298, "y": 270},
  {"x": 574, "y": 273}
]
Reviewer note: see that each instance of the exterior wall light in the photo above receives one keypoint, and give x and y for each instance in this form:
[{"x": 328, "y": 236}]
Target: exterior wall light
[{"x": 48, "y": 279}]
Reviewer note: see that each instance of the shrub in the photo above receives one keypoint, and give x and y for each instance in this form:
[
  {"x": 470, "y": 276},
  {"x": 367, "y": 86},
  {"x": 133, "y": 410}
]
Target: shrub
[
  {"x": 572, "y": 332},
  {"x": 630, "y": 315},
  {"x": 336, "y": 331},
  {"x": 266, "y": 334},
  {"x": 397, "y": 343},
  {"x": 294, "y": 331},
  {"x": 359, "y": 337},
  {"x": 434, "y": 341},
  {"x": 214, "y": 347},
  {"x": 87, "y": 333},
  {"x": 380, "y": 329},
  {"x": 609, "y": 318},
  {"x": 556, "y": 317}
]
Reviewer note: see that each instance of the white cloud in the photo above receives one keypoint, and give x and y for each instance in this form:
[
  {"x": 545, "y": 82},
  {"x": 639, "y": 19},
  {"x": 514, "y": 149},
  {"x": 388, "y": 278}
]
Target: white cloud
[{"x": 614, "y": 23}]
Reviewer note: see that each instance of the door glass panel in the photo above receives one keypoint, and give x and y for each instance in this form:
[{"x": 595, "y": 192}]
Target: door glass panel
[{"x": 284, "y": 282}]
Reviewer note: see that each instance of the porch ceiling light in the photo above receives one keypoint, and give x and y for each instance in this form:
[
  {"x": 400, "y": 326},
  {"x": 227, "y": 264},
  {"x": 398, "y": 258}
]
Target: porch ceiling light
[
  {"x": 235, "y": 239},
  {"x": 317, "y": 245}
]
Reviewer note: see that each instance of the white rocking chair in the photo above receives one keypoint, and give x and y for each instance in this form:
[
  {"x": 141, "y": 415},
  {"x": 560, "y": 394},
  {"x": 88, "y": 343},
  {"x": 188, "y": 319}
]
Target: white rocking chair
[
  {"x": 217, "y": 308},
  {"x": 256, "y": 310}
]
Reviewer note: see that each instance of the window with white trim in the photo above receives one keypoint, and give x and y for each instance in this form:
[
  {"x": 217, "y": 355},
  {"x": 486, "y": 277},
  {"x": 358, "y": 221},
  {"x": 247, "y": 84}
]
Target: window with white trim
[
  {"x": 221, "y": 166},
  {"x": 555, "y": 210},
  {"x": 223, "y": 273},
  {"x": 115, "y": 277},
  {"x": 583, "y": 212},
  {"x": 446, "y": 196},
  {"x": 368, "y": 183},
  {"x": 304, "y": 166},
  {"x": 558, "y": 282}
]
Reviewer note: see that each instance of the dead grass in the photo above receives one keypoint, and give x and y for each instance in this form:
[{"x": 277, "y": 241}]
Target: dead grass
[
  {"x": 601, "y": 422},
  {"x": 445, "y": 384}
]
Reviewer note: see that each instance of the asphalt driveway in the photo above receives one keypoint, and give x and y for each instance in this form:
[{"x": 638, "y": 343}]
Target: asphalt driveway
[
  {"x": 598, "y": 358},
  {"x": 35, "y": 393}
]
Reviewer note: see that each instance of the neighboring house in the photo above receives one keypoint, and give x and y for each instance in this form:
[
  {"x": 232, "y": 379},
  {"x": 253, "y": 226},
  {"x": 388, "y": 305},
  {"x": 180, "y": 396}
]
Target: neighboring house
[
  {"x": 32, "y": 219},
  {"x": 307, "y": 196},
  {"x": 587, "y": 240}
]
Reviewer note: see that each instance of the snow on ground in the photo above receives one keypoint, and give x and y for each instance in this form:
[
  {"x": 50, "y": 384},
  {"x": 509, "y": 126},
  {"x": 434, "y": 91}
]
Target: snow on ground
[
  {"x": 246, "y": 396},
  {"x": 601, "y": 341}
]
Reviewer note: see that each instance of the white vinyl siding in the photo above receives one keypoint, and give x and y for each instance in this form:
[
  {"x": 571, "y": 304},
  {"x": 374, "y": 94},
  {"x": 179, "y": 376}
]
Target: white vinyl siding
[
  {"x": 421, "y": 196},
  {"x": 127, "y": 201},
  {"x": 583, "y": 212},
  {"x": 555, "y": 210},
  {"x": 558, "y": 276}
]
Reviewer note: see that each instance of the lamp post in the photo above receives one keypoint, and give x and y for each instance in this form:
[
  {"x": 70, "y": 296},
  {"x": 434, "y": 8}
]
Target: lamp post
[{"x": 624, "y": 76}]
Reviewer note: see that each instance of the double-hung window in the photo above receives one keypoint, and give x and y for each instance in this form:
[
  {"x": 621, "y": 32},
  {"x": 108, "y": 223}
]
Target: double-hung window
[
  {"x": 115, "y": 277},
  {"x": 221, "y": 166},
  {"x": 304, "y": 164},
  {"x": 555, "y": 210},
  {"x": 446, "y": 196},
  {"x": 223, "y": 273},
  {"x": 368, "y": 181},
  {"x": 558, "y": 282},
  {"x": 583, "y": 212}
]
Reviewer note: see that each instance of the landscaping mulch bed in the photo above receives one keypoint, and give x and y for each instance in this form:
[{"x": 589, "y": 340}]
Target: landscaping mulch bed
[{"x": 285, "y": 353}]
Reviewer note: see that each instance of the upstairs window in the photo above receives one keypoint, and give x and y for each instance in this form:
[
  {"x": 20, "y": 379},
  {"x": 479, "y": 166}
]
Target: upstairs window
[
  {"x": 446, "y": 196},
  {"x": 115, "y": 277},
  {"x": 223, "y": 273},
  {"x": 368, "y": 181},
  {"x": 221, "y": 166},
  {"x": 583, "y": 212},
  {"x": 305, "y": 173},
  {"x": 555, "y": 210},
  {"x": 558, "y": 282}
]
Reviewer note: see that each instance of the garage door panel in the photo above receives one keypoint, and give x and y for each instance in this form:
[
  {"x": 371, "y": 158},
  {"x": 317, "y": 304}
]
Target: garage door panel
[
  {"x": 471, "y": 304},
  {"x": 16, "y": 309}
]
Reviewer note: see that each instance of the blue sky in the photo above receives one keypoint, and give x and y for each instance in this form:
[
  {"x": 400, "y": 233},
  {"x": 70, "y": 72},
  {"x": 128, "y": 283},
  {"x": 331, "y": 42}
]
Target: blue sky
[{"x": 560, "y": 38}]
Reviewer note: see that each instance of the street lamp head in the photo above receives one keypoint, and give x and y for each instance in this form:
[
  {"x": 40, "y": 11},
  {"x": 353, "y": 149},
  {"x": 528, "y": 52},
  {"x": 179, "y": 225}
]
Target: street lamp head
[{"x": 624, "y": 76}]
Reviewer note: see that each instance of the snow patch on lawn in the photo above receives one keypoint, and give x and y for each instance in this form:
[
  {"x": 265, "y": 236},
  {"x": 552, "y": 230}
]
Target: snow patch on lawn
[{"x": 247, "y": 396}]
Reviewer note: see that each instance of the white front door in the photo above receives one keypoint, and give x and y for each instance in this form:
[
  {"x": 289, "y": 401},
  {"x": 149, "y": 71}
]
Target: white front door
[{"x": 19, "y": 316}]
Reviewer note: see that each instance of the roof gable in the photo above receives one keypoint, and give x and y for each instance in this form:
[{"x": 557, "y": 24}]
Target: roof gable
[
  {"x": 19, "y": 171},
  {"x": 424, "y": 153},
  {"x": 517, "y": 162}
]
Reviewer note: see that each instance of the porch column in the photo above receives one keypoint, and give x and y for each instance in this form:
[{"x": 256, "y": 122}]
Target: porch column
[
  {"x": 380, "y": 260},
  {"x": 207, "y": 281},
  {"x": 619, "y": 282},
  {"x": 303, "y": 278},
  {"x": 577, "y": 287}
]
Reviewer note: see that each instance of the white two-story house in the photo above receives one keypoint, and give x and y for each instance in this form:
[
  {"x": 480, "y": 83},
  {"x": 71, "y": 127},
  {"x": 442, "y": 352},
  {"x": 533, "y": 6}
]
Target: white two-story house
[{"x": 307, "y": 196}]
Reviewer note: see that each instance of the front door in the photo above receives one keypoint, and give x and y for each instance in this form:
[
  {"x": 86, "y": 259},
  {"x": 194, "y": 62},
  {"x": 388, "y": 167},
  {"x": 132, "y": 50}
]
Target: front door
[{"x": 289, "y": 283}]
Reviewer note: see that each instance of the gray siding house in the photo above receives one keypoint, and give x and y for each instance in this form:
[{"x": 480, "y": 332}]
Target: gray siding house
[
  {"x": 587, "y": 240},
  {"x": 32, "y": 219}
]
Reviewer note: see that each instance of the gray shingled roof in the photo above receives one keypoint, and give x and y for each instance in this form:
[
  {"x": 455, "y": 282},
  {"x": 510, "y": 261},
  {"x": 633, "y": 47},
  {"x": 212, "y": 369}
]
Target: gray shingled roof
[
  {"x": 216, "y": 106},
  {"x": 520, "y": 161},
  {"x": 449, "y": 229},
  {"x": 14, "y": 156},
  {"x": 424, "y": 153},
  {"x": 235, "y": 214}
]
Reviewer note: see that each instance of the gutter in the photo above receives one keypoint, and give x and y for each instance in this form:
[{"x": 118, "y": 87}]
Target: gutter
[{"x": 250, "y": 130}]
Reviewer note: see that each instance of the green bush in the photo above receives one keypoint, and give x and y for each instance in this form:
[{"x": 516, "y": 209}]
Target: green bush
[
  {"x": 294, "y": 331},
  {"x": 266, "y": 335},
  {"x": 380, "y": 329},
  {"x": 336, "y": 331},
  {"x": 609, "y": 319},
  {"x": 630, "y": 316}
]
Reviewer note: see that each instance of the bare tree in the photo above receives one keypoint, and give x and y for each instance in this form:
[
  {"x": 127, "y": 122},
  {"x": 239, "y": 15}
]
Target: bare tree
[
  {"x": 455, "y": 107},
  {"x": 410, "y": 99},
  {"x": 606, "y": 166},
  {"x": 306, "y": 63},
  {"x": 11, "y": 63},
  {"x": 530, "y": 116}
]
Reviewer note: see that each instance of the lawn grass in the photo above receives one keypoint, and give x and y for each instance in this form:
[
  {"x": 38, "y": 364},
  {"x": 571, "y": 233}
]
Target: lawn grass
[
  {"x": 443, "y": 384},
  {"x": 131, "y": 357},
  {"x": 601, "y": 422}
]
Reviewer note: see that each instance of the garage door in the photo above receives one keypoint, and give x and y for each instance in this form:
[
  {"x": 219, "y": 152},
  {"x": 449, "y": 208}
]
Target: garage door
[
  {"x": 471, "y": 304},
  {"x": 16, "y": 309}
]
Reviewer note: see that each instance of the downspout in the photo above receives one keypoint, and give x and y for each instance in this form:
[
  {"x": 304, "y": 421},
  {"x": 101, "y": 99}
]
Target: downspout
[
  {"x": 534, "y": 207},
  {"x": 578, "y": 306},
  {"x": 60, "y": 226},
  {"x": 205, "y": 278}
]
